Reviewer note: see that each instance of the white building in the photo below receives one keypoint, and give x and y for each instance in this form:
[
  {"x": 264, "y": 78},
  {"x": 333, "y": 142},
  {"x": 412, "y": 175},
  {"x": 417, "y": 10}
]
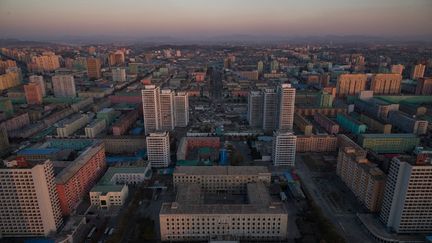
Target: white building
[
  {"x": 255, "y": 109},
  {"x": 407, "y": 203},
  {"x": 127, "y": 175},
  {"x": 105, "y": 196},
  {"x": 166, "y": 101},
  {"x": 286, "y": 107},
  {"x": 284, "y": 148},
  {"x": 64, "y": 86},
  {"x": 119, "y": 75},
  {"x": 158, "y": 149},
  {"x": 181, "y": 109},
  {"x": 29, "y": 201},
  {"x": 151, "y": 108}
]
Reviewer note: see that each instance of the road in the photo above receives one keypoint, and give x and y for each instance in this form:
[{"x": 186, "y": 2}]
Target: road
[{"x": 345, "y": 223}]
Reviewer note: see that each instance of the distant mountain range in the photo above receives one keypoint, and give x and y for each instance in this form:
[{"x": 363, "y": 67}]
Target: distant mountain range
[{"x": 221, "y": 39}]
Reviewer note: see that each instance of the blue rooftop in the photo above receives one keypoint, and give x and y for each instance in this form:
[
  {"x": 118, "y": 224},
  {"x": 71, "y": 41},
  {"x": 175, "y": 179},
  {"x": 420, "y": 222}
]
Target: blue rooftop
[{"x": 42, "y": 151}]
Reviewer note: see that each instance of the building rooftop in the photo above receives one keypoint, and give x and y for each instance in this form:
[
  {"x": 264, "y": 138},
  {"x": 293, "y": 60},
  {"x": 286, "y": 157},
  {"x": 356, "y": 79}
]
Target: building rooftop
[
  {"x": 105, "y": 188},
  {"x": 221, "y": 170},
  {"x": 123, "y": 170},
  {"x": 390, "y": 135},
  {"x": 189, "y": 200}
]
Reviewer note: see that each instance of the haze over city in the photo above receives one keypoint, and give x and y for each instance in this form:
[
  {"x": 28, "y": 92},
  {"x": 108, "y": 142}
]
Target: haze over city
[
  {"x": 195, "y": 19},
  {"x": 224, "y": 121}
]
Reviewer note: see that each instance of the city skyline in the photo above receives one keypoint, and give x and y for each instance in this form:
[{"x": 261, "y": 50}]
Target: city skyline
[{"x": 193, "y": 19}]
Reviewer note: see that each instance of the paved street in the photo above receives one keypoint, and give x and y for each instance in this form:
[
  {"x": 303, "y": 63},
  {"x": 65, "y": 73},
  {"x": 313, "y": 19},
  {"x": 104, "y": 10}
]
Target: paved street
[{"x": 345, "y": 223}]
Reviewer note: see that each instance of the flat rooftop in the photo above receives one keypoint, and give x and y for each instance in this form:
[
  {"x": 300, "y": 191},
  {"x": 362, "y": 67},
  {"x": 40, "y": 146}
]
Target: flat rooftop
[
  {"x": 190, "y": 200},
  {"x": 221, "y": 170}
]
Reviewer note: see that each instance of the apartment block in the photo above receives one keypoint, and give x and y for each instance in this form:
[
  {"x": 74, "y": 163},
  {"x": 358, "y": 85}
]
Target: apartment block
[
  {"x": 166, "y": 101},
  {"x": 424, "y": 86},
  {"x": 124, "y": 123},
  {"x": 270, "y": 111},
  {"x": 418, "y": 71},
  {"x": 69, "y": 126},
  {"x": 158, "y": 149},
  {"x": 407, "y": 200},
  {"x": 151, "y": 108},
  {"x": 305, "y": 126},
  {"x": 29, "y": 201},
  {"x": 33, "y": 93},
  {"x": 389, "y": 143},
  {"x": 255, "y": 109},
  {"x": 94, "y": 68},
  {"x": 94, "y": 128},
  {"x": 407, "y": 123},
  {"x": 350, "y": 124},
  {"x": 384, "y": 83},
  {"x": 76, "y": 180},
  {"x": 286, "y": 107},
  {"x": 325, "y": 122},
  {"x": 316, "y": 143},
  {"x": 181, "y": 109},
  {"x": 64, "y": 86},
  {"x": 350, "y": 84},
  {"x": 284, "y": 148},
  {"x": 363, "y": 178}
]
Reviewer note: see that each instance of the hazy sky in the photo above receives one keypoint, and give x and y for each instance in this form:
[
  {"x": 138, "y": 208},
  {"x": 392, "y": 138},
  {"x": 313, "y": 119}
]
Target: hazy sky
[{"x": 182, "y": 18}]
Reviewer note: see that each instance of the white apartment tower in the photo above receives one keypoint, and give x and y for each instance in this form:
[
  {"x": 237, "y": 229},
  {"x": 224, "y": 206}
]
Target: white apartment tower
[
  {"x": 286, "y": 107},
  {"x": 151, "y": 108},
  {"x": 29, "y": 201},
  {"x": 284, "y": 148},
  {"x": 158, "y": 149},
  {"x": 64, "y": 86},
  {"x": 181, "y": 109},
  {"x": 119, "y": 75},
  {"x": 270, "y": 110},
  {"x": 255, "y": 109},
  {"x": 407, "y": 203},
  {"x": 166, "y": 101}
]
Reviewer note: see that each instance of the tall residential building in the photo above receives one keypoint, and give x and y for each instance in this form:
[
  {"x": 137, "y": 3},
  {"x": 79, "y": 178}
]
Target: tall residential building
[
  {"x": 64, "y": 86},
  {"x": 166, "y": 101},
  {"x": 151, "y": 108},
  {"x": 119, "y": 75},
  {"x": 407, "y": 206},
  {"x": 384, "y": 83},
  {"x": 418, "y": 71},
  {"x": 424, "y": 86},
  {"x": 350, "y": 84},
  {"x": 181, "y": 109},
  {"x": 29, "y": 201},
  {"x": 4, "y": 139},
  {"x": 39, "y": 80},
  {"x": 255, "y": 109},
  {"x": 284, "y": 148},
  {"x": 397, "y": 69},
  {"x": 158, "y": 149},
  {"x": 270, "y": 110},
  {"x": 33, "y": 93},
  {"x": 94, "y": 67},
  {"x": 286, "y": 107},
  {"x": 364, "y": 179},
  {"x": 260, "y": 67}
]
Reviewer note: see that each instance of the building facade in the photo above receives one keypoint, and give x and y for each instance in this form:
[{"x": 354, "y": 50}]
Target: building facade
[
  {"x": 64, "y": 86},
  {"x": 181, "y": 109},
  {"x": 350, "y": 84},
  {"x": 407, "y": 200},
  {"x": 158, "y": 149},
  {"x": 151, "y": 108},
  {"x": 284, "y": 148},
  {"x": 385, "y": 83},
  {"x": 166, "y": 101},
  {"x": 363, "y": 178},
  {"x": 286, "y": 107},
  {"x": 255, "y": 109},
  {"x": 29, "y": 201}
]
